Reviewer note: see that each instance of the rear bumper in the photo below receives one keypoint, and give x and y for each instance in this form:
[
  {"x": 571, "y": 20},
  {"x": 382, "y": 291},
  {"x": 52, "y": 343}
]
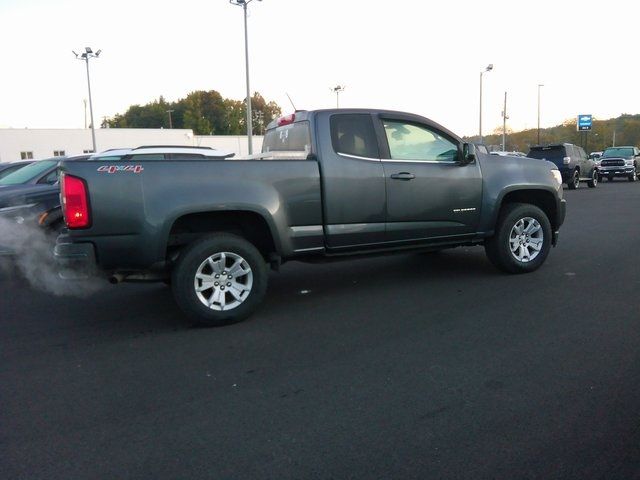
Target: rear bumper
[{"x": 75, "y": 260}]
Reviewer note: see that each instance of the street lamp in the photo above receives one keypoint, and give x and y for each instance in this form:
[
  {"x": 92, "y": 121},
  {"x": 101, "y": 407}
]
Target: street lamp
[
  {"x": 88, "y": 53},
  {"x": 539, "y": 85},
  {"x": 488, "y": 69},
  {"x": 170, "y": 112},
  {"x": 337, "y": 90},
  {"x": 243, "y": 4}
]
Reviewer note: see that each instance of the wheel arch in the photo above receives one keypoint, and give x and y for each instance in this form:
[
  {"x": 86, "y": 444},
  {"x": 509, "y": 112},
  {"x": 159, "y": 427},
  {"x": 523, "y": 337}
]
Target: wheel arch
[
  {"x": 252, "y": 225},
  {"x": 541, "y": 198}
]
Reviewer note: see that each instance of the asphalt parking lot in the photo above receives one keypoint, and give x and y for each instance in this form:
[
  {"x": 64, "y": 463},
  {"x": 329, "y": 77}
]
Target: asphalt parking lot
[{"x": 406, "y": 366}]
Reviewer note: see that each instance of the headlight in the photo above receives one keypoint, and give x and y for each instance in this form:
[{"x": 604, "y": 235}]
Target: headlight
[{"x": 557, "y": 175}]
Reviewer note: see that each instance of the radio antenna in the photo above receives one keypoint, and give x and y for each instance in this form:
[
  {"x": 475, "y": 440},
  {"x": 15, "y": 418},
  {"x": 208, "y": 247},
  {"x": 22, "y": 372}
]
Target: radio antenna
[{"x": 294, "y": 107}]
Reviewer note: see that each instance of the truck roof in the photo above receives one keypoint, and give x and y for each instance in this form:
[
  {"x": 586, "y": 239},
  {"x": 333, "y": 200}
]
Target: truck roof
[{"x": 302, "y": 115}]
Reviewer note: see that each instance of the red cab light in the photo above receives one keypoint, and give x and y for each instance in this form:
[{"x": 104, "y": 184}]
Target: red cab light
[
  {"x": 286, "y": 120},
  {"x": 75, "y": 202}
]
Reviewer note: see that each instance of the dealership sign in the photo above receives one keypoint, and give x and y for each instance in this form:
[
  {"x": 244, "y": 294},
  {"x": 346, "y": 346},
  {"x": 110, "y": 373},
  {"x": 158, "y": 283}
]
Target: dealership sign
[{"x": 585, "y": 122}]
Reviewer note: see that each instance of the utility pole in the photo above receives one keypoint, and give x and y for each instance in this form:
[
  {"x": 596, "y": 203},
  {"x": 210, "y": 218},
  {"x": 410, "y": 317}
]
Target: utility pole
[
  {"x": 170, "y": 112},
  {"x": 88, "y": 53},
  {"x": 504, "y": 123},
  {"x": 488, "y": 69},
  {"x": 539, "y": 85},
  {"x": 243, "y": 4},
  {"x": 337, "y": 90},
  {"x": 84, "y": 100}
]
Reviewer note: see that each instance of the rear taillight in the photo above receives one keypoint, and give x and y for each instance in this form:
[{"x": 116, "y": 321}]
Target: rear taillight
[
  {"x": 286, "y": 120},
  {"x": 75, "y": 202}
]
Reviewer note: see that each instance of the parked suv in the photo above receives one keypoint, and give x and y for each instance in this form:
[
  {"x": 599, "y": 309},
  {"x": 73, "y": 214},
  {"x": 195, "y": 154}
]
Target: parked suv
[
  {"x": 620, "y": 162},
  {"x": 571, "y": 160}
]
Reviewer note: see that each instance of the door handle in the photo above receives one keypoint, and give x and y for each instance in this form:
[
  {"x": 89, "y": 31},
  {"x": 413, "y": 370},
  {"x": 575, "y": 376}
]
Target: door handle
[{"x": 403, "y": 176}]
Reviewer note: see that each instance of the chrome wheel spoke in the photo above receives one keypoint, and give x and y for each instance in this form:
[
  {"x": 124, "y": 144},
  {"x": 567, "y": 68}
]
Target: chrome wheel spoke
[
  {"x": 238, "y": 269},
  {"x": 213, "y": 280},
  {"x": 526, "y": 239}
]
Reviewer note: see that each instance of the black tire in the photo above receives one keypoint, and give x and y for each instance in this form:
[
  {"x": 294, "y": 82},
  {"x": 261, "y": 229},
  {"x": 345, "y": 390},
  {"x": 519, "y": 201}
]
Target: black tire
[
  {"x": 498, "y": 248},
  {"x": 193, "y": 256},
  {"x": 574, "y": 181},
  {"x": 593, "y": 182},
  {"x": 632, "y": 177}
]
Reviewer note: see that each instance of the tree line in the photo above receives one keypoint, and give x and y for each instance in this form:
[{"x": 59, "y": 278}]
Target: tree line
[
  {"x": 205, "y": 112},
  {"x": 625, "y": 129}
]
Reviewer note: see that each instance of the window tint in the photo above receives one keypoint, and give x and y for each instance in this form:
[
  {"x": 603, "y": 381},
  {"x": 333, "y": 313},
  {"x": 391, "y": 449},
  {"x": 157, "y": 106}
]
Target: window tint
[
  {"x": 28, "y": 173},
  {"x": 50, "y": 178},
  {"x": 294, "y": 137},
  {"x": 354, "y": 135},
  {"x": 186, "y": 156},
  {"x": 148, "y": 156},
  {"x": 547, "y": 153},
  {"x": 416, "y": 142}
]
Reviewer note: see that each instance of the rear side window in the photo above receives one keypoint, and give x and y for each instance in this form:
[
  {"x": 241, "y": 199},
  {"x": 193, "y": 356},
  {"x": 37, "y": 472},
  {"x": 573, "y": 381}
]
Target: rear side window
[
  {"x": 294, "y": 137},
  {"x": 353, "y": 134},
  {"x": 547, "y": 153}
]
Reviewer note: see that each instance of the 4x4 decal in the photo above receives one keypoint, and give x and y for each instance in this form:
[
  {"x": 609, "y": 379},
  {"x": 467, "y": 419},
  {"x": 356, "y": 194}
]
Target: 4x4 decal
[{"x": 120, "y": 168}]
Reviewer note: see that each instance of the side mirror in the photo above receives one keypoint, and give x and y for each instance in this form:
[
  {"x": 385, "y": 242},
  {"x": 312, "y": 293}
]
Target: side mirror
[{"x": 468, "y": 153}]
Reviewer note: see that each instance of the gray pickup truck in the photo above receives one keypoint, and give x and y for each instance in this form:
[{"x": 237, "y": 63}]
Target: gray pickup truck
[{"x": 328, "y": 183}]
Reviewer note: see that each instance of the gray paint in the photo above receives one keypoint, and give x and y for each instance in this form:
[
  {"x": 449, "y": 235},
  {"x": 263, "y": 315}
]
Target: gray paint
[{"x": 326, "y": 203}]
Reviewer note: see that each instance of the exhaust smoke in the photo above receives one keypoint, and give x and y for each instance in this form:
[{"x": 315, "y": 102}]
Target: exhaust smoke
[{"x": 27, "y": 250}]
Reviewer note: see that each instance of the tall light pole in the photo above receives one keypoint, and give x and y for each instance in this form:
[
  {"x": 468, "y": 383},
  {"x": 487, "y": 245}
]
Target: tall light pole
[
  {"x": 337, "y": 90},
  {"x": 504, "y": 123},
  {"x": 539, "y": 85},
  {"x": 88, "y": 53},
  {"x": 488, "y": 69},
  {"x": 170, "y": 112},
  {"x": 84, "y": 100},
  {"x": 243, "y": 4}
]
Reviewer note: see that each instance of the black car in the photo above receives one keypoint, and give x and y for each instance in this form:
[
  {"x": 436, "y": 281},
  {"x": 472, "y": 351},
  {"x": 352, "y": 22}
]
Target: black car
[
  {"x": 32, "y": 194},
  {"x": 571, "y": 160},
  {"x": 8, "y": 168},
  {"x": 620, "y": 162}
]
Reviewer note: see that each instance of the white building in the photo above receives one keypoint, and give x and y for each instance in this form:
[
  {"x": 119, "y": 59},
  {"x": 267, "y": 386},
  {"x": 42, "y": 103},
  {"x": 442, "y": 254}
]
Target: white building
[{"x": 36, "y": 143}]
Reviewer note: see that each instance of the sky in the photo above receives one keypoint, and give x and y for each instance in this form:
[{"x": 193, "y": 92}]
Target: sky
[{"x": 417, "y": 56}]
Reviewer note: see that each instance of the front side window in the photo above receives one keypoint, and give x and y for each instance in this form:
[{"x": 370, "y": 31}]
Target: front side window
[
  {"x": 408, "y": 141},
  {"x": 353, "y": 134}
]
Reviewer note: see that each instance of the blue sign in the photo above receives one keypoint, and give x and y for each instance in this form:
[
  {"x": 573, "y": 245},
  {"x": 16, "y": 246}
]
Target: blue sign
[{"x": 585, "y": 122}]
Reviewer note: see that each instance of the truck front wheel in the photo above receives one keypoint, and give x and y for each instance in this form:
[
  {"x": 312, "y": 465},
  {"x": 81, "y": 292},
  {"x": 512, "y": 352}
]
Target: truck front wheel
[
  {"x": 219, "y": 280},
  {"x": 522, "y": 239}
]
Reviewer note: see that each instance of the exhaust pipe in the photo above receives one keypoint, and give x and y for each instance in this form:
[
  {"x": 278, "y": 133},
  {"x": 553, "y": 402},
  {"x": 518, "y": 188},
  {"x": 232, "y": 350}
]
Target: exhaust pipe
[{"x": 116, "y": 278}]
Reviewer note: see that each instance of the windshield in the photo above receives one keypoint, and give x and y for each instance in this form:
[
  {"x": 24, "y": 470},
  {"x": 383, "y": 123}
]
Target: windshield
[
  {"x": 618, "y": 152},
  {"x": 294, "y": 137},
  {"x": 27, "y": 173},
  {"x": 547, "y": 153}
]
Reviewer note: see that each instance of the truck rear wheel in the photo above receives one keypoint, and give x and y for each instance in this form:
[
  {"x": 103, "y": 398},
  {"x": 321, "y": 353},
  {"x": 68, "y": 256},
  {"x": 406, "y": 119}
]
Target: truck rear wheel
[
  {"x": 522, "y": 239},
  {"x": 219, "y": 280}
]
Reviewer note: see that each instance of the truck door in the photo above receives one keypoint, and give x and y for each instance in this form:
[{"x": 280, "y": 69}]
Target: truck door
[
  {"x": 430, "y": 193},
  {"x": 353, "y": 186}
]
